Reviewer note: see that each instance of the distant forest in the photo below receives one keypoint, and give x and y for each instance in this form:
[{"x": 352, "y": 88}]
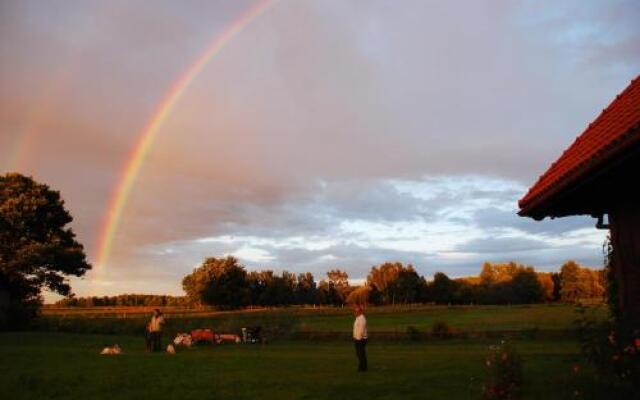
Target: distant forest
[{"x": 224, "y": 283}]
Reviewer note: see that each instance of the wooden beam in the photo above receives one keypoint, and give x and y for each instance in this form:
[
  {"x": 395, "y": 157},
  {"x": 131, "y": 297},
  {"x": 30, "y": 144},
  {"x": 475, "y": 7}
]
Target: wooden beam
[{"x": 625, "y": 237}]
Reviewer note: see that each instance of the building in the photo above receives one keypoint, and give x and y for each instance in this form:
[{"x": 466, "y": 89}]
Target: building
[{"x": 599, "y": 175}]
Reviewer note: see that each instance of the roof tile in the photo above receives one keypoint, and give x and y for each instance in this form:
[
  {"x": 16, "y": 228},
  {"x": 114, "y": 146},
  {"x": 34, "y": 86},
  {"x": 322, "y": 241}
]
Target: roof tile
[{"x": 598, "y": 143}]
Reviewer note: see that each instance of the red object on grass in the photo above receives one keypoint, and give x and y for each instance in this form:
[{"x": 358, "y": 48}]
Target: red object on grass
[{"x": 202, "y": 335}]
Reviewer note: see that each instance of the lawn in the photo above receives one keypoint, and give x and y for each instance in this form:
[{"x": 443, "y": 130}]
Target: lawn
[
  {"x": 546, "y": 317},
  {"x": 41, "y": 365}
]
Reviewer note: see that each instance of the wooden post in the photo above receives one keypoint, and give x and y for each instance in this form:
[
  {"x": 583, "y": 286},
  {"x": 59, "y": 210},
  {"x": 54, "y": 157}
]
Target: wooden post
[{"x": 625, "y": 236}]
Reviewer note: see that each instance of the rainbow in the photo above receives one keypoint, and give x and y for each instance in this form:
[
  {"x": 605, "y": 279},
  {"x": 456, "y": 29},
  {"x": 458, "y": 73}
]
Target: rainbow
[{"x": 145, "y": 139}]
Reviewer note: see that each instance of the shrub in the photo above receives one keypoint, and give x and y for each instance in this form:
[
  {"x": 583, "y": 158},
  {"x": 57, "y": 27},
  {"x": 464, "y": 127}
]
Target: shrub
[
  {"x": 414, "y": 333},
  {"x": 612, "y": 346},
  {"x": 503, "y": 369},
  {"x": 441, "y": 330}
]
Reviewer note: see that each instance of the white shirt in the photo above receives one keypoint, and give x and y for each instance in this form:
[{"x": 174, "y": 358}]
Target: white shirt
[{"x": 360, "y": 327}]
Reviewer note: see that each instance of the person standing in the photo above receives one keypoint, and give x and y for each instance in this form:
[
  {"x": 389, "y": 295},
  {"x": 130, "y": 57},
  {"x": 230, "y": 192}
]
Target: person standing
[
  {"x": 360, "y": 338},
  {"x": 154, "y": 330}
]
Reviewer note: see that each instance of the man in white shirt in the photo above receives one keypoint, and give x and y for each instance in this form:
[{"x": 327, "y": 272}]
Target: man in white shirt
[{"x": 360, "y": 338}]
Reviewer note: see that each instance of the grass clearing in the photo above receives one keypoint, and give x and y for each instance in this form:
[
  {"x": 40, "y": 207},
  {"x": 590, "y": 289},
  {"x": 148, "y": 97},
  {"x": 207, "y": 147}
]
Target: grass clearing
[
  {"x": 68, "y": 366},
  {"x": 57, "y": 362}
]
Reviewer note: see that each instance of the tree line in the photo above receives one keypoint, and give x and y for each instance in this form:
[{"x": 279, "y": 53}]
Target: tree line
[
  {"x": 224, "y": 282},
  {"x": 125, "y": 300}
]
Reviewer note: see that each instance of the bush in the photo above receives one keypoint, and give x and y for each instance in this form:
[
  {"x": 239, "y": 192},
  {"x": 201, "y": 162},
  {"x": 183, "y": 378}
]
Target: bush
[
  {"x": 612, "y": 346},
  {"x": 503, "y": 368},
  {"x": 441, "y": 330},
  {"x": 413, "y": 333}
]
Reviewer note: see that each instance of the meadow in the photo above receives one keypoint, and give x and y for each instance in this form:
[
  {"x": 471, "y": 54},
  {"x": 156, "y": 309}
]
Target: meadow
[
  {"x": 65, "y": 365},
  {"x": 385, "y": 321}
]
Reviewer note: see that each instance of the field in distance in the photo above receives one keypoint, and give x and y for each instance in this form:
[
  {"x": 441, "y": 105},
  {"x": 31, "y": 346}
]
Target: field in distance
[{"x": 551, "y": 317}]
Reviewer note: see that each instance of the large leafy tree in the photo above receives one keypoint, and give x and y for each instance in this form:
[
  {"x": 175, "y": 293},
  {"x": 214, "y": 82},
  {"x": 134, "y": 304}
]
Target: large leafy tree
[
  {"x": 397, "y": 283},
  {"x": 37, "y": 248},
  {"x": 218, "y": 281}
]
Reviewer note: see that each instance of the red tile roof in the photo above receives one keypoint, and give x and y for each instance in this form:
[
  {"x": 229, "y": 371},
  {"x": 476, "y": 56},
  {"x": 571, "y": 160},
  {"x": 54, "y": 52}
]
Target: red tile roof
[{"x": 615, "y": 130}]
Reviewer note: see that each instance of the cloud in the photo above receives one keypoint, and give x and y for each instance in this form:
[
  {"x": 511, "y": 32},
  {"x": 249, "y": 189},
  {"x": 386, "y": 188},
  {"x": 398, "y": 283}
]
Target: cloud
[
  {"x": 382, "y": 132},
  {"x": 504, "y": 245}
]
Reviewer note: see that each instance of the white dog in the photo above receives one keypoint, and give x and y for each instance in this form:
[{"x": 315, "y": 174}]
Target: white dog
[
  {"x": 112, "y": 350},
  {"x": 171, "y": 349}
]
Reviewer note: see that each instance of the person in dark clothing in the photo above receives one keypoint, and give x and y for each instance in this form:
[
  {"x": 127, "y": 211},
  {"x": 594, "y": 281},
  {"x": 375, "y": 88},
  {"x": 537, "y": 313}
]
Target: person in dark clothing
[{"x": 154, "y": 331}]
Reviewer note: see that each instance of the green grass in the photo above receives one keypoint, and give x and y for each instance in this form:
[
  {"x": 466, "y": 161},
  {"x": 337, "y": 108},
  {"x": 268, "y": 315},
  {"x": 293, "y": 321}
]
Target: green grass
[
  {"x": 465, "y": 318},
  {"x": 550, "y": 317},
  {"x": 68, "y": 366},
  {"x": 37, "y": 365},
  {"x": 57, "y": 365}
]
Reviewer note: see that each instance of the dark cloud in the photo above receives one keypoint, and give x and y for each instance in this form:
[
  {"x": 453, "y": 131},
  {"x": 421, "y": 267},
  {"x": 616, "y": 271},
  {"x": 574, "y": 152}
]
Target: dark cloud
[{"x": 504, "y": 245}]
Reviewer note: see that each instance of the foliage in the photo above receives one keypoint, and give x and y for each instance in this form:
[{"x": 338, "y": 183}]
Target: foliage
[
  {"x": 547, "y": 286},
  {"x": 509, "y": 283},
  {"x": 441, "y": 330},
  {"x": 269, "y": 289},
  {"x": 396, "y": 283},
  {"x": 125, "y": 300},
  {"x": 218, "y": 281},
  {"x": 306, "y": 289},
  {"x": 612, "y": 346},
  {"x": 503, "y": 373},
  {"x": 413, "y": 333},
  {"x": 335, "y": 289},
  {"x": 359, "y": 295},
  {"x": 578, "y": 283},
  {"x": 443, "y": 289},
  {"x": 37, "y": 250}
]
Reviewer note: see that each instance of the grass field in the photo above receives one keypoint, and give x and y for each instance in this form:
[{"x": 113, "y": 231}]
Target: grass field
[
  {"x": 59, "y": 364},
  {"x": 550, "y": 317},
  {"x": 67, "y": 366}
]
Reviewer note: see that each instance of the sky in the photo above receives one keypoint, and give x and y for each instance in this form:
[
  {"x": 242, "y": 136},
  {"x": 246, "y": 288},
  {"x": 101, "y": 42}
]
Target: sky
[{"x": 324, "y": 134}]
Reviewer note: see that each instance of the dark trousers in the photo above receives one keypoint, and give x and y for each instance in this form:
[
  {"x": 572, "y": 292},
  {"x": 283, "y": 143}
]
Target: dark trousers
[
  {"x": 361, "y": 353},
  {"x": 154, "y": 341}
]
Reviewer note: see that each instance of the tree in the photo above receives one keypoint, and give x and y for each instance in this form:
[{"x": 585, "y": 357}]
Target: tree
[
  {"x": 306, "y": 291},
  {"x": 385, "y": 278},
  {"x": 409, "y": 285},
  {"x": 339, "y": 278},
  {"x": 574, "y": 286},
  {"x": 359, "y": 296},
  {"x": 37, "y": 249},
  {"x": 218, "y": 281},
  {"x": 547, "y": 285},
  {"x": 338, "y": 287},
  {"x": 442, "y": 288},
  {"x": 526, "y": 287}
]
